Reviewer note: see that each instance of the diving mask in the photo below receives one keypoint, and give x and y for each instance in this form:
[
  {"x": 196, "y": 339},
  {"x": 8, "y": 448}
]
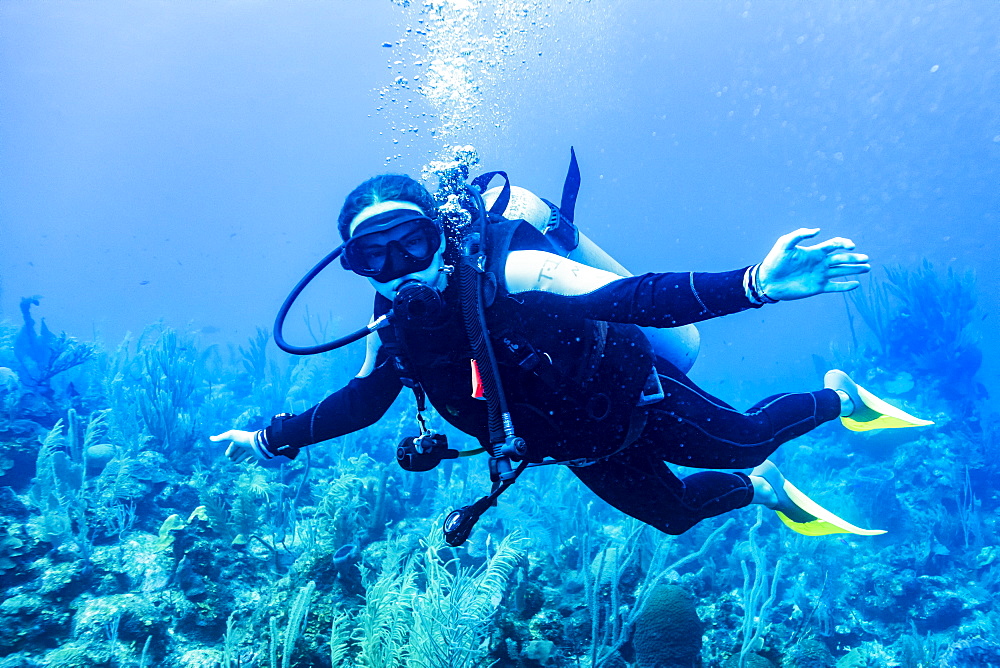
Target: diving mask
[{"x": 390, "y": 245}]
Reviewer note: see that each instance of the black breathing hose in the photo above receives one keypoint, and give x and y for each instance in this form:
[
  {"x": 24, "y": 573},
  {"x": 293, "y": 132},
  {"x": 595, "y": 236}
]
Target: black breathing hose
[
  {"x": 279, "y": 322},
  {"x": 474, "y": 315}
]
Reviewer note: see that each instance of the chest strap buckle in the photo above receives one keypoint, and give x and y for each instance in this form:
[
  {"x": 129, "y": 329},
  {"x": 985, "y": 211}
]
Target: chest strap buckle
[{"x": 652, "y": 391}]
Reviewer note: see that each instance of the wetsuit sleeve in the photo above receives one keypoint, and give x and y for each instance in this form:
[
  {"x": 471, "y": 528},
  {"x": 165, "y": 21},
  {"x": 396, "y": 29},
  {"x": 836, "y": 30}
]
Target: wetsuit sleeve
[
  {"x": 656, "y": 300},
  {"x": 361, "y": 403}
]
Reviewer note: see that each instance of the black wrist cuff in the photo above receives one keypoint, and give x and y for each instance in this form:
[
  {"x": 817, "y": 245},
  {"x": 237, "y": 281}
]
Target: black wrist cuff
[{"x": 273, "y": 438}]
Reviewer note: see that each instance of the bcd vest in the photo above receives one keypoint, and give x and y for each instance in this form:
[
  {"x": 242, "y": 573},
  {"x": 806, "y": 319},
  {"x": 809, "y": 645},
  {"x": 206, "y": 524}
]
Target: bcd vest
[{"x": 572, "y": 384}]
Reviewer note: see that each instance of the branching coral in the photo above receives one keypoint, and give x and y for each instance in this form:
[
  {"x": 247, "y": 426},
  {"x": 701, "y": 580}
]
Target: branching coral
[
  {"x": 167, "y": 394},
  {"x": 57, "y": 492},
  {"x": 452, "y": 615},
  {"x": 356, "y": 502},
  {"x": 923, "y": 324},
  {"x": 757, "y": 600},
  {"x": 443, "y": 623},
  {"x": 118, "y": 382},
  {"x": 77, "y": 501},
  {"x": 154, "y": 392},
  {"x": 294, "y": 626},
  {"x": 269, "y": 382},
  {"x": 41, "y": 355},
  {"x": 384, "y": 621}
]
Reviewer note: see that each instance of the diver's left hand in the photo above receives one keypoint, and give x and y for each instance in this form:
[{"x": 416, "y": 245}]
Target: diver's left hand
[{"x": 791, "y": 271}]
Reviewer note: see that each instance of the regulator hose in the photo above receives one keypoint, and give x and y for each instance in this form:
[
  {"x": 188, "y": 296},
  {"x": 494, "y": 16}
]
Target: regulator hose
[{"x": 279, "y": 322}]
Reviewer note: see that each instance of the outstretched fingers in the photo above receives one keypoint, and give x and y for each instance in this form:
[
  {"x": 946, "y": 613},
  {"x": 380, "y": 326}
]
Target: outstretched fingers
[
  {"x": 792, "y": 239},
  {"x": 833, "y": 245},
  {"x": 834, "y": 259},
  {"x": 847, "y": 270},
  {"x": 840, "y": 286},
  {"x": 846, "y": 264}
]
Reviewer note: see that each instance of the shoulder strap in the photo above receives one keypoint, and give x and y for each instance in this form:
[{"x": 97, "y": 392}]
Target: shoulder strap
[
  {"x": 482, "y": 182},
  {"x": 500, "y": 240},
  {"x": 570, "y": 191}
]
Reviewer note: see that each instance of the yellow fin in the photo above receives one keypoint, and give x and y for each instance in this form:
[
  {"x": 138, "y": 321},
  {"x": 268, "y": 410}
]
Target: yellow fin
[
  {"x": 825, "y": 522},
  {"x": 880, "y": 415}
]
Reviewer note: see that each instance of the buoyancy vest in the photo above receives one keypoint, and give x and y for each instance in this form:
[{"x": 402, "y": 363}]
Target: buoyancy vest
[{"x": 572, "y": 384}]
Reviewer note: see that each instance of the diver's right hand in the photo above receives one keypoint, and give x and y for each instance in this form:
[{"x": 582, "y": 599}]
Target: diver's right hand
[
  {"x": 240, "y": 444},
  {"x": 791, "y": 271}
]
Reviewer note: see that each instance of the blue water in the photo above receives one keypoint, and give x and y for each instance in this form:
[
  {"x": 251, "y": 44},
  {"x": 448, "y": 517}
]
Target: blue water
[{"x": 180, "y": 165}]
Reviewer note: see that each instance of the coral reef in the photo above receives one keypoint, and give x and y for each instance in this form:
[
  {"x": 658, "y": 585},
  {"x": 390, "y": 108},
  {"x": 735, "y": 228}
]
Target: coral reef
[
  {"x": 126, "y": 539},
  {"x": 923, "y": 332}
]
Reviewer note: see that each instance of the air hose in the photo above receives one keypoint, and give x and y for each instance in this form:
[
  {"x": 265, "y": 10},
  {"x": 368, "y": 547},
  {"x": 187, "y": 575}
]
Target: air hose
[{"x": 279, "y": 321}]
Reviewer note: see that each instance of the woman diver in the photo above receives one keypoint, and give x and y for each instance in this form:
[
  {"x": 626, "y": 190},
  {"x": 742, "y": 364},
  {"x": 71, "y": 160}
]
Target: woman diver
[{"x": 581, "y": 383}]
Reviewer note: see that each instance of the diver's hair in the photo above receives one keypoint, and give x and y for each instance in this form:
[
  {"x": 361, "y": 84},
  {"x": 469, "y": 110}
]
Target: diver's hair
[{"x": 383, "y": 188}]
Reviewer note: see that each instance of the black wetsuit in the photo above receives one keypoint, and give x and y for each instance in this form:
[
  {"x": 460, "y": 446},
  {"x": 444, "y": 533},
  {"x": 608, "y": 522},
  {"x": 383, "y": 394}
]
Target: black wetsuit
[{"x": 583, "y": 403}]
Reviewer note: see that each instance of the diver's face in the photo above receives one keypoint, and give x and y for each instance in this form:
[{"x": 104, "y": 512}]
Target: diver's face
[{"x": 432, "y": 275}]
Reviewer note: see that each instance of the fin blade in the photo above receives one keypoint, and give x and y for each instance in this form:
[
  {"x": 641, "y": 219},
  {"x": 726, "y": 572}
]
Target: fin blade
[
  {"x": 873, "y": 413},
  {"x": 880, "y": 414},
  {"x": 825, "y": 522},
  {"x": 889, "y": 417},
  {"x": 814, "y": 528}
]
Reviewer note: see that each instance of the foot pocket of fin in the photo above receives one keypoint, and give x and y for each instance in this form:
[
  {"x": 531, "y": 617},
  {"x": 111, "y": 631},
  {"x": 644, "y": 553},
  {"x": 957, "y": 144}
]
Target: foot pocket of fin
[{"x": 870, "y": 412}]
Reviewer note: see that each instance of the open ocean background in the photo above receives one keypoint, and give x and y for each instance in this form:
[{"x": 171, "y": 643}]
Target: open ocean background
[{"x": 178, "y": 166}]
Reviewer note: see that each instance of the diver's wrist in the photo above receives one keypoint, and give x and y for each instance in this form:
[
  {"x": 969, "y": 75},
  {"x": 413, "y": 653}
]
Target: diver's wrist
[
  {"x": 755, "y": 287},
  {"x": 259, "y": 446}
]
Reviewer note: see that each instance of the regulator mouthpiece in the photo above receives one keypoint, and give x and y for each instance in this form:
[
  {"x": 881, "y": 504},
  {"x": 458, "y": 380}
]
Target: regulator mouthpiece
[{"x": 418, "y": 303}]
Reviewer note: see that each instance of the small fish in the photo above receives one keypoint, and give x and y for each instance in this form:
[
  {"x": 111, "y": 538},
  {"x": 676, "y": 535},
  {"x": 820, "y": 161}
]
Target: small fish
[{"x": 143, "y": 282}]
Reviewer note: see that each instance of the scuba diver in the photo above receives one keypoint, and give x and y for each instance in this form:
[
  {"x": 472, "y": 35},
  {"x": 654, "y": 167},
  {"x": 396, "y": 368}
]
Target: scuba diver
[{"x": 491, "y": 305}]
